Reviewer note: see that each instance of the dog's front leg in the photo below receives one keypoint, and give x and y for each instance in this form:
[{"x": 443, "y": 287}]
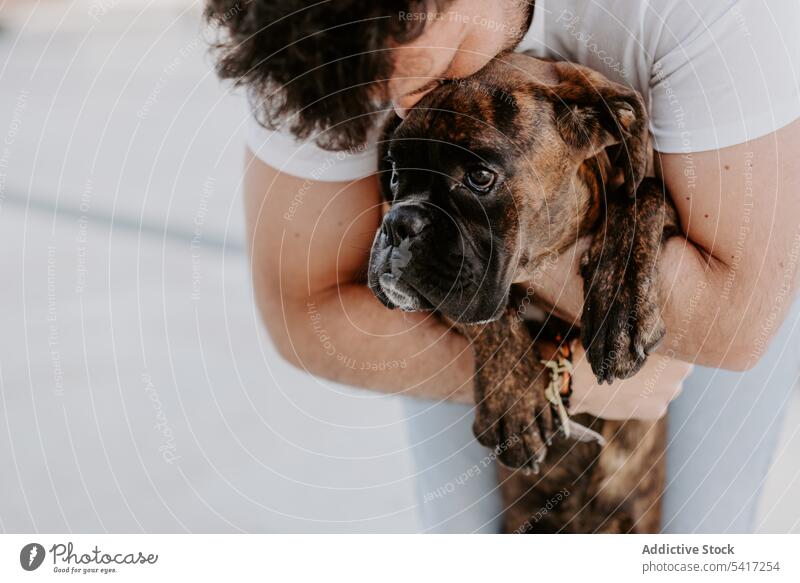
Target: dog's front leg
[
  {"x": 512, "y": 415},
  {"x": 621, "y": 322}
]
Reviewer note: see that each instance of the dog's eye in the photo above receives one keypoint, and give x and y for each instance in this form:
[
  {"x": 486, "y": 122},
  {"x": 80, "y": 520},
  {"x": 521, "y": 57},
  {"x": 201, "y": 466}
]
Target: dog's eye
[
  {"x": 480, "y": 178},
  {"x": 395, "y": 178}
]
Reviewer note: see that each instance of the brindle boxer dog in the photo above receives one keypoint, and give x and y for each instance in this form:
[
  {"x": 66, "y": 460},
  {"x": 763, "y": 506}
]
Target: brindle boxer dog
[{"x": 488, "y": 178}]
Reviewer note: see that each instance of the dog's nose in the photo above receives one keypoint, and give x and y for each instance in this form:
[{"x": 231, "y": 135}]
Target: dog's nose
[{"x": 404, "y": 222}]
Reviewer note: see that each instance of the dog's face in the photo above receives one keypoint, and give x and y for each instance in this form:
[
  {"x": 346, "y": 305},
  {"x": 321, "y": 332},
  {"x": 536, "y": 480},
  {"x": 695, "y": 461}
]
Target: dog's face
[{"x": 487, "y": 175}]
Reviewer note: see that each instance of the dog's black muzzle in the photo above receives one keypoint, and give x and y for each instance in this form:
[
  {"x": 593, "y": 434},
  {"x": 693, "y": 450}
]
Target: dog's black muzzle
[
  {"x": 405, "y": 222},
  {"x": 420, "y": 260}
]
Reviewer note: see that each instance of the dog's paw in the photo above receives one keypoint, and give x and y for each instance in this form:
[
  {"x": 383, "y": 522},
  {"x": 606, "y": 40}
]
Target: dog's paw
[
  {"x": 621, "y": 322},
  {"x": 515, "y": 420}
]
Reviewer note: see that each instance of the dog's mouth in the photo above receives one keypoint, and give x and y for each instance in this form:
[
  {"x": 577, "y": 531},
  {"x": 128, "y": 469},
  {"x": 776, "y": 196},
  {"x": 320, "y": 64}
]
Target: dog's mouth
[
  {"x": 432, "y": 273},
  {"x": 422, "y": 288},
  {"x": 402, "y": 294},
  {"x": 387, "y": 266}
]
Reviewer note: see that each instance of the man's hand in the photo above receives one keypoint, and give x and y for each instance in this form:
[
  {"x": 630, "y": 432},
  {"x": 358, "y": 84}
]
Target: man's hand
[{"x": 644, "y": 396}]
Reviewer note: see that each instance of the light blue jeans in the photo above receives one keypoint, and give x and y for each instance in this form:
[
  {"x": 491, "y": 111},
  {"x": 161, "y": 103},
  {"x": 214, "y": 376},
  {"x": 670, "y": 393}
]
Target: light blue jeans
[{"x": 722, "y": 434}]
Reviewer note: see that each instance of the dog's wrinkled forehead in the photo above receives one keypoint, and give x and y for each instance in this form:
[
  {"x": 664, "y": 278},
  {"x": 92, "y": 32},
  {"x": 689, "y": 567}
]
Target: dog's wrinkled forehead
[{"x": 475, "y": 114}]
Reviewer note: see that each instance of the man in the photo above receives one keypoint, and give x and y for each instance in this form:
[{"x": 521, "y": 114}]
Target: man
[{"x": 720, "y": 82}]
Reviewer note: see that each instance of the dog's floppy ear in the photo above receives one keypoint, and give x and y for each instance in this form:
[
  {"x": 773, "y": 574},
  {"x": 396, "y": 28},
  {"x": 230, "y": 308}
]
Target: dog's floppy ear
[{"x": 593, "y": 113}]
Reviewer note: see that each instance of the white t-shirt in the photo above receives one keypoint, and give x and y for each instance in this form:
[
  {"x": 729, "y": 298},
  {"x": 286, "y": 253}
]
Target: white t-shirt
[{"x": 713, "y": 73}]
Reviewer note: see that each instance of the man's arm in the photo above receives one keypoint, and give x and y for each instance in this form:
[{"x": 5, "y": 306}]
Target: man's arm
[
  {"x": 309, "y": 244},
  {"x": 730, "y": 282}
]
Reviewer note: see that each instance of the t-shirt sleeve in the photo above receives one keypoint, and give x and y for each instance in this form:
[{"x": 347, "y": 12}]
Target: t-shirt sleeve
[
  {"x": 731, "y": 77},
  {"x": 305, "y": 159}
]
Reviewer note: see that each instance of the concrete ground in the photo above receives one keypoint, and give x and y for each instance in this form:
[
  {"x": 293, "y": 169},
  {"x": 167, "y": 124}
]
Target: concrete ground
[{"x": 137, "y": 389}]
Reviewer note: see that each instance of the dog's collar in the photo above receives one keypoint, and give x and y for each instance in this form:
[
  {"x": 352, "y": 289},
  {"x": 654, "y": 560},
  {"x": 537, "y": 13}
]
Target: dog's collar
[{"x": 559, "y": 391}]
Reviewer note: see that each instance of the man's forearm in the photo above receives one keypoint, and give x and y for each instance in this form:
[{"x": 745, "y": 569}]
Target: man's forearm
[
  {"x": 699, "y": 327},
  {"x": 345, "y": 334},
  {"x": 318, "y": 319}
]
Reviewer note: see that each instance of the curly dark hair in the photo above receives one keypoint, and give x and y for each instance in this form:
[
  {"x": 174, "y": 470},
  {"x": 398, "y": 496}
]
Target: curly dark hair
[{"x": 318, "y": 66}]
